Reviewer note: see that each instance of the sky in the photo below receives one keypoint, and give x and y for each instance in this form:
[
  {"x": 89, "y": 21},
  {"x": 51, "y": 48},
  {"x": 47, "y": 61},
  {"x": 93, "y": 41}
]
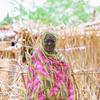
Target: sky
[{"x": 6, "y": 7}]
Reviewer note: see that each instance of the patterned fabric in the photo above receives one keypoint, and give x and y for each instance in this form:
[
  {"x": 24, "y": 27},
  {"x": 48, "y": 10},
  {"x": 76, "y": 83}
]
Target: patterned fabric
[{"x": 48, "y": 79}]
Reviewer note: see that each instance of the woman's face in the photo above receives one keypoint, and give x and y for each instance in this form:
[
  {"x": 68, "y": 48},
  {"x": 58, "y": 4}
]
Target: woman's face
[{"x": 49, "y": 42}]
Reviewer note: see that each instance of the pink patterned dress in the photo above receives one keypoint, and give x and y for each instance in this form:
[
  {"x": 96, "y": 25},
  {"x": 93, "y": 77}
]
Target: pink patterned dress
[{"x": 48, "y": 79}]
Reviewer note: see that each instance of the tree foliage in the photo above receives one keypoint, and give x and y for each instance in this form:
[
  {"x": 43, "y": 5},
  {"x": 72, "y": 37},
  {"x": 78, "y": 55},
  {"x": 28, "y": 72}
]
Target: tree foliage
[
  {"x": 57, "y": 12},
  {"x": 7, "y": 20}
]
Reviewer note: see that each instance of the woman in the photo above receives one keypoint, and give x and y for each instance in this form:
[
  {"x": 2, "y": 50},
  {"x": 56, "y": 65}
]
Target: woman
[{"x": 48, "y": 79}]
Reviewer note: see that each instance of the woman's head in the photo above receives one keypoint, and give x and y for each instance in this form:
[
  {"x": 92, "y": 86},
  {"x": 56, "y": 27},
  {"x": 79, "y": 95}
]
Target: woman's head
[{"x": 49, "y": 42}]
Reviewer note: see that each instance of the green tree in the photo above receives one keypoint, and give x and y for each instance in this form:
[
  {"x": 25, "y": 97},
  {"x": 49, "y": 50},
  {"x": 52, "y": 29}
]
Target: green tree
[
  {"x": 7, "y": 20},
  {"x": 63, "y": 12},
  {"x": 57, "y": 12}
]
